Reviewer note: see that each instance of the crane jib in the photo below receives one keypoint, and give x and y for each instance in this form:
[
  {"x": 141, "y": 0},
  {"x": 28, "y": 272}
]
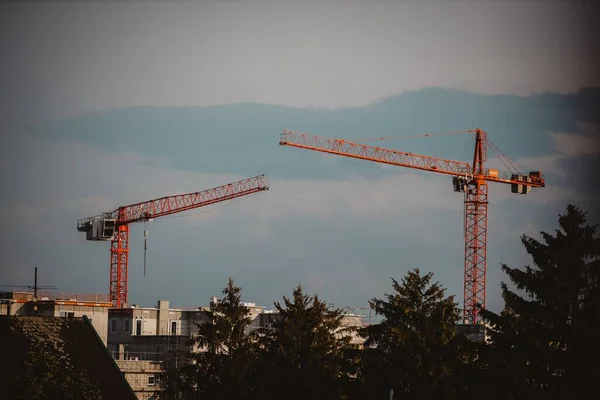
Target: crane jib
[
  {"x": 114, "y": 226},
  {"x": 469, "y": 179}
]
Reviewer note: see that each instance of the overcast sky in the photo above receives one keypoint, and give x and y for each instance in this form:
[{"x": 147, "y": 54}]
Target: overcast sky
[
  {"x": 60, "y": 59},
  {"x": 65, "y": 58}
]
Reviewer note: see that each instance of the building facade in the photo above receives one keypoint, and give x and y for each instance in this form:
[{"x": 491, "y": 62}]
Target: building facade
[
  {"x": 143, "y": 377},
  {"x": 140, "y": 339},
  {"x": 94, "y": 306}
]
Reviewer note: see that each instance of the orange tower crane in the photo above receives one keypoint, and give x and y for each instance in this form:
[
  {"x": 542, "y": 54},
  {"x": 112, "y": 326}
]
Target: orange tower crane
[
  {"x": 472, "y": 179},
  {"x": 114, "y": 226}
]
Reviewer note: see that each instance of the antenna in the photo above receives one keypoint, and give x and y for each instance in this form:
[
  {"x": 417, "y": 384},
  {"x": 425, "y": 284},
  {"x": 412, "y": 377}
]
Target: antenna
[{"x": 35, "y": 286}]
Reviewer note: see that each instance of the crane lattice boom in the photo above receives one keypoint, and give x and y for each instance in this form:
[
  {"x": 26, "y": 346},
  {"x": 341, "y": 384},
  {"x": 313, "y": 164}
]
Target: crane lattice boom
[
  {"x": 114, "y": 225},
  {"x": 471, "y": 179},
  {"x": 347, "y": 148}
]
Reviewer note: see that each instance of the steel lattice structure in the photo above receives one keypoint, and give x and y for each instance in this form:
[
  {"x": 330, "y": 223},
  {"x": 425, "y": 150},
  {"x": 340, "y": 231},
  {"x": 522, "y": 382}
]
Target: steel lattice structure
[
  {"x": 470, "y": 178},
  {"x": 114, "y": 226}
]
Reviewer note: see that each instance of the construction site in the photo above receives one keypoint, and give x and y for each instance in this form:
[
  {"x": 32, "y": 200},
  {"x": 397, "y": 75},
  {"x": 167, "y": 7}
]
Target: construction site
[
  {"x": 140, "y": 338},
  {"x": 470, "y": 179}
]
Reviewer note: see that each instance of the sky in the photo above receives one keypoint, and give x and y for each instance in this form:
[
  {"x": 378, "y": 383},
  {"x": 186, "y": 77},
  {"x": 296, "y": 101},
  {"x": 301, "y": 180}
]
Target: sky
[{"x": 340, "y": 238}]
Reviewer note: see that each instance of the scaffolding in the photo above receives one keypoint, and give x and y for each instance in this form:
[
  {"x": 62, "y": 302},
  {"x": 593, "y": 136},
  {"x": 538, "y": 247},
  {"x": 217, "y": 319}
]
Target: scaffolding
[
  {"x": 143, "y": 377},
  {"x": 366, "y": 314}
]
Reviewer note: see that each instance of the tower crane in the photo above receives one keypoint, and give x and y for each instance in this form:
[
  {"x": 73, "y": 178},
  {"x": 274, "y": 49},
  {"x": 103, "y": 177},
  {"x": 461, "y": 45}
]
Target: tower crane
[
  {"x": 114, "y": 225},
  {"x": 471, "y": 179}
]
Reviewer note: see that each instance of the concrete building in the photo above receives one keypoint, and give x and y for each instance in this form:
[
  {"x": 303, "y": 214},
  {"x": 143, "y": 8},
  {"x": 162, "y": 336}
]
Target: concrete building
[
  {"x": 143, "y": 377},
  {"x": 355, "y": 322},
  {"x": 141, "y": 338},
  {"x": 149, "y": 333},
  {"x": 94, "y": 306}
]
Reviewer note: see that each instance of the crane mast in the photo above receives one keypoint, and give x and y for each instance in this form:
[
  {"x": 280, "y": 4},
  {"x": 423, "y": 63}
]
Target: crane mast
[
  {"x": 476, "y": 211},
  {"x": 114, "y": 225},
  {"x": 471, "y": 179}
]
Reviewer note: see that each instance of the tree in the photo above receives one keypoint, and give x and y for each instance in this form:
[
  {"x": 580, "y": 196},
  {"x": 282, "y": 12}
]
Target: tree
[
  {"x": 221, "y": 370},
  {"x": 303, "y": 350},
  {"x": 415, "y": 350},
  {"x": 545, "y": 342}
]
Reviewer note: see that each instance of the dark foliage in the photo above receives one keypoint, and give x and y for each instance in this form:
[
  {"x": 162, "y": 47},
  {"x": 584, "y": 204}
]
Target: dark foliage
[
  {"x": 223, "y": 369},
  {"x": 304, "y": 350},
  {"x": 545, "y": 343},
  {"x": 415, "y": 350}
]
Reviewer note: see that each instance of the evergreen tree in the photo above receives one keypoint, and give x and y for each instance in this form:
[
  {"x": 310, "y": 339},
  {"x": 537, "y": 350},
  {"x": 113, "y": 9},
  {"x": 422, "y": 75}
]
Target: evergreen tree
[
  {"x": 545, "y": 342},
  {"x": 304, "y": 349},
  {"x": 415, "y": 350},
  {"x": 223, "y": 368}
]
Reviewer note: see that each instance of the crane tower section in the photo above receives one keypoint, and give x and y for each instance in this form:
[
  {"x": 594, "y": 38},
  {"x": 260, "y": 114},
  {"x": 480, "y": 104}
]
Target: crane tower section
[{"x": 472, "y": 179}]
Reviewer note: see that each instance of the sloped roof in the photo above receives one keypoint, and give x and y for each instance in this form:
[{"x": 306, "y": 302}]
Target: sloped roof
[{"x": 68, "y": 347}]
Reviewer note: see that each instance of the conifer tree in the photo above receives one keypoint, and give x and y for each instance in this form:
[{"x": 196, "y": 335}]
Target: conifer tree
[
  {"x": 223, "y": 369},
  {"x": 304, "y": 350},
  {"x": 414, "y": 350},
  {"x": 545, "y": 340}
]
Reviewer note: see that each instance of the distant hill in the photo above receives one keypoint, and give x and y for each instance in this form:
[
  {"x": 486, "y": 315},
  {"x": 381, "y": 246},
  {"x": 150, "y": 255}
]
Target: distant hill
[{"x": 243, "y": 138}]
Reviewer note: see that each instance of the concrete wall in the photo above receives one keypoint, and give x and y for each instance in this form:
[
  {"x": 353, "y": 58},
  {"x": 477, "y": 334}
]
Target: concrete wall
[
  {"x": 149, "y": 320},
  {"x": 97, "y": 315},
  {"x": 163, "y": 318},
  {"x": 154, "y": 321},
  {"x": 351, "y": 321},
  {"x": 120, "y": 325},
  {"x": 15, "y": 308}
]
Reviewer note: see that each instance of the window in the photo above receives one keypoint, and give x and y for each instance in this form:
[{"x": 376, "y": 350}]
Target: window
[
  {"x": 66, "y": 314},
  {"x": 113, "y": 325},
  {"x": 152, "y": 380},
  {"x": 138, "y": 326},
  {"x": 173, "y": 327},
  {"x": 126, "y": 325}
]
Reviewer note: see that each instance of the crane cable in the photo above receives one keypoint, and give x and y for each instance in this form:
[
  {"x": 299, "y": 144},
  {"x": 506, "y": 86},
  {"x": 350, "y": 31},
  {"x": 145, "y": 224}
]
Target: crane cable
[
  {"x": 512, "y": 167},
  {"x": 186, "y": 215},
  {"x": 501, "y": 156},
  {"x": 412, "y": 136}
]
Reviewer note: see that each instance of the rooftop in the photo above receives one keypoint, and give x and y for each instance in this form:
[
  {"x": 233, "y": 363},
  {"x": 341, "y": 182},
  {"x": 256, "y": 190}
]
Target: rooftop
[
  {"x": 60, "y": 347},
  {"x": 86, "y": 299}
]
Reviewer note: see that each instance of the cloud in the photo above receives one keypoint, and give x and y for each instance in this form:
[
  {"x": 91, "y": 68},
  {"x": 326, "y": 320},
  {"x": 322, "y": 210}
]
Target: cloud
[
  {"x": 340, "y": 230},
  {"x": 588, "y": 128},
  {"x": 559, "y": 170},
  {"x": 572, "y": 144},
  {"x": 351, "y": 233},
  {"x": 133, "y": 63}
]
